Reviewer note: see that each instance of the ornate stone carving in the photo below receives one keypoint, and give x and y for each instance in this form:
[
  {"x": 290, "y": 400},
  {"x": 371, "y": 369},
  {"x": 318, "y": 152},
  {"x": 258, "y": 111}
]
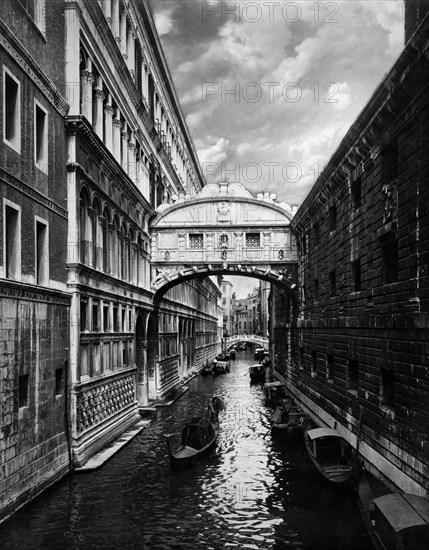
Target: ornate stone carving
[{"x": 96, "y": 404}]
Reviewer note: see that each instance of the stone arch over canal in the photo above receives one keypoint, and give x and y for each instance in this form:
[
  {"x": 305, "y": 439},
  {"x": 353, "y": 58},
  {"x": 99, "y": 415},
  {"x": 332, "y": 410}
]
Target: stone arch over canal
[{"x": 223, "y": 230}]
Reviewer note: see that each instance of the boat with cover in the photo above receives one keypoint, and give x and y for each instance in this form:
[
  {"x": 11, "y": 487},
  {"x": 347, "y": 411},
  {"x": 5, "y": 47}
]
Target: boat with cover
[
  {"x": 198, "y": 436},
  {"x": 330, "y": 453},
  {"x": 288, "y": 420},
  {"x": 257, "y": 373},
  {"x": 207, "y": 369},
  {"x": 395, "y": 521},
  {"x": 222, "y": 363}
]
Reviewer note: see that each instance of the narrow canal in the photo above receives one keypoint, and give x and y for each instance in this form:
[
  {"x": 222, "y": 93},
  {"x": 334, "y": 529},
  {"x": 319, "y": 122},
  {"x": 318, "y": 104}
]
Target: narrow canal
[{"x": 252, "y": 492}]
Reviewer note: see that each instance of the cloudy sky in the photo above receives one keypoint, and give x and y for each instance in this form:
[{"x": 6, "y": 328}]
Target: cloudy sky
[{"x": 269, "y": 88}]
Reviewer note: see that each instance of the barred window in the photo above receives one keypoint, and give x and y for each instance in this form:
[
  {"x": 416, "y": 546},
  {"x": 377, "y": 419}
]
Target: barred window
[
  {"x": 253, "y": 240},
  {"x": 196, "y": 240},
  {"x": 223, "y": 240}
]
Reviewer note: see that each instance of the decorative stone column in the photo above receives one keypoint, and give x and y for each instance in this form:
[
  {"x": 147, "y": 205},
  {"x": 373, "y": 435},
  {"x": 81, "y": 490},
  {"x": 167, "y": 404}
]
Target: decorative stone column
[
  {"x": 98, "y": 263},
  {"x": 109, "y": 111},
  {"x": 117, "y": 124},
  {"x": 99, "y": 98},
  {"x": 123, "y": 34},
  {"x": 115, "y": 20},
  {"x": 107, "y": 10},
  {"x": 131, "y": 167},
  {"x": 131, "y": 51},
  {"x": 86, "y": 81},
  {"x": 124, "y": 137}
]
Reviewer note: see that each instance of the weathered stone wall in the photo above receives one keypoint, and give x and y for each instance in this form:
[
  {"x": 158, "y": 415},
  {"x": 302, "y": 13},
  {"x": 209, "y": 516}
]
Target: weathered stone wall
[{"x": 33, "y": 442}]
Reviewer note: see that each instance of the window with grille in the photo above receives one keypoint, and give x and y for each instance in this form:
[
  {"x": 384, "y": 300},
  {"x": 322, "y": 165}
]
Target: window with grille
[
  {"x": 196, "y": 240},
  {"x": 253, "y": 240},
  {"x": 223, "y": 240}
]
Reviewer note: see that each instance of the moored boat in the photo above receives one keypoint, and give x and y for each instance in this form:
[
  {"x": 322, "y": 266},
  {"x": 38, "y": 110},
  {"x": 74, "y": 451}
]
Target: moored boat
[
  {"x": 198, "y": 436},
  {"x": 395, "y": 521},
  {"x": 288, "y": 420},
  {"x": 257, "y": 373},
  {"x": 222, "y": 363},
  {"x": 330, "y": 453},
  {"x": 207, "y": 369},
  {"x": 274, "y": 391}
]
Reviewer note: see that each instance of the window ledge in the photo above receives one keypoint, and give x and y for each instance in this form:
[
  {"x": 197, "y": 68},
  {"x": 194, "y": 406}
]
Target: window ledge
[{"x": 388, "y": 412}]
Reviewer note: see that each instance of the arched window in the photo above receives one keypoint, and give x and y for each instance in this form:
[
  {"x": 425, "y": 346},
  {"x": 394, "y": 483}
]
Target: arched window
[
  {"x": 114, "y": 257},
  {"x": 122, "y": 255},
  {"x": 96, "y": 235},
  {"x": 106, "y": 241},
  {"x": 84, "y": 229}
]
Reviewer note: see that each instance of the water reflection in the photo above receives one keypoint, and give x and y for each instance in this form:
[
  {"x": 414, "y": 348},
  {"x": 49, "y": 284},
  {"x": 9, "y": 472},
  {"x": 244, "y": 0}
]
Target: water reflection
[{"x": 252, "y": 492}]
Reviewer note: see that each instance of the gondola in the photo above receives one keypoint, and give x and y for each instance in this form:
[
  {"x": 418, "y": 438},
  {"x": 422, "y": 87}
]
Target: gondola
[
  {"x": 288, "y": 421},
  {"x": 222, "y": 363},
  {"x": 198, "y": 436},
  {"x": 331, "y": 454},
  {"x": 233, "y": 354},
  {"x": 207, "y": 369},
  {"x": 394, "y": 521},
  {"x": 257, "y": 373},
  {"x": 258, "y": 354}
]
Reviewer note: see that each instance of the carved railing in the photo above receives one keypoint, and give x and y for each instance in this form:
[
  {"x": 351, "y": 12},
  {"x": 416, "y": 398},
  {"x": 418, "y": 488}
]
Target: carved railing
[{"x": 100, "y": 400}]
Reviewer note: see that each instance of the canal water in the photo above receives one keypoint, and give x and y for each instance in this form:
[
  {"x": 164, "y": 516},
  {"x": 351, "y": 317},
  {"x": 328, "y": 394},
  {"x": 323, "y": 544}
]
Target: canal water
[{"x": 252, "y": 492}]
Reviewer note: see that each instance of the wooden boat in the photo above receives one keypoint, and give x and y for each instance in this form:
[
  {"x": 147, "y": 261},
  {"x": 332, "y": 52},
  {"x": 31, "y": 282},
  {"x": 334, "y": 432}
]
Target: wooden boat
[
  {"x": 207, "y": 369},
  {"x": 288, "y": 421},
  {"x": 198, "y": 436},
  {"x": 257, "y": 373},
  {"x": 274, "y": 391},
  {"x": 233, "y": 354},
  {"x": 222, "y": 363},
  {"x": 395, "y": 521},
  {"x": 259, "y": 353},
  {"x": 330, "y": 453}
]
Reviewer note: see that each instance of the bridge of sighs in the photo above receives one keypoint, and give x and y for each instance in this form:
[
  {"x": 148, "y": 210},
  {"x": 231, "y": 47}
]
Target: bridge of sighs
[{"x": 223, "y": 230}]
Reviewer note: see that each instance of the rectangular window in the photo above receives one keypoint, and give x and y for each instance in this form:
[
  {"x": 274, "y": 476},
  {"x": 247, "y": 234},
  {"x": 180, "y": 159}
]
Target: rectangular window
[
  {"x": 196, "y": 240},
  {"x": 253, "y": 240},
  {"x": 387, "y": 388},
  {"x": 332, "y": 283},
  {"x": 11, "y": 111},
  {"x": 124, "y": 353},
  {"x": 36, "y": 11},
  {"x": 356, "y": 192},
  {"x": 123, "y": 320},
  {"x": 95, "y": 319},
  {"x": 58, "y": 381},
  {"x": 12, "y": 242},
  {"x": 390, "y": 260},
  {"x": 83, "y": 315},
  {"x": 353, "y": 370},
  {"x": 129, "y": 321},
  {"x": 42, "y": 253},
  {"x": 41, "y": 138},
  {"x": 23, "y": 390},
  {"x": 356, "y": 274},
  {"x": 105, "y": 318},
  {"x": 329, "y": 367},
  {"x": 115, "y": 319},
  {"x": 332, "y": 218}
]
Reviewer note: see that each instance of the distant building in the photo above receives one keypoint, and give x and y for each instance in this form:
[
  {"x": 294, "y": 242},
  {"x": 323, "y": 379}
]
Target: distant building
[{"x": 227, "y": 304}]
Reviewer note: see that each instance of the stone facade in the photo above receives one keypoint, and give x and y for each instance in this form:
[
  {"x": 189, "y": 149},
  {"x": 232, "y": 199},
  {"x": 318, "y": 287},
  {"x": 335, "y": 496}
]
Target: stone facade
[
  {"x": 34, "y": 305},
  {"x": 355, "y": 352}
]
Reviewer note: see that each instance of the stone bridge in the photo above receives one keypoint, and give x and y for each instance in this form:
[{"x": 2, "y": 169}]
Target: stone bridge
[
  {"x": 223, "y": 230},
  {"x": 251, "y": 338}
]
